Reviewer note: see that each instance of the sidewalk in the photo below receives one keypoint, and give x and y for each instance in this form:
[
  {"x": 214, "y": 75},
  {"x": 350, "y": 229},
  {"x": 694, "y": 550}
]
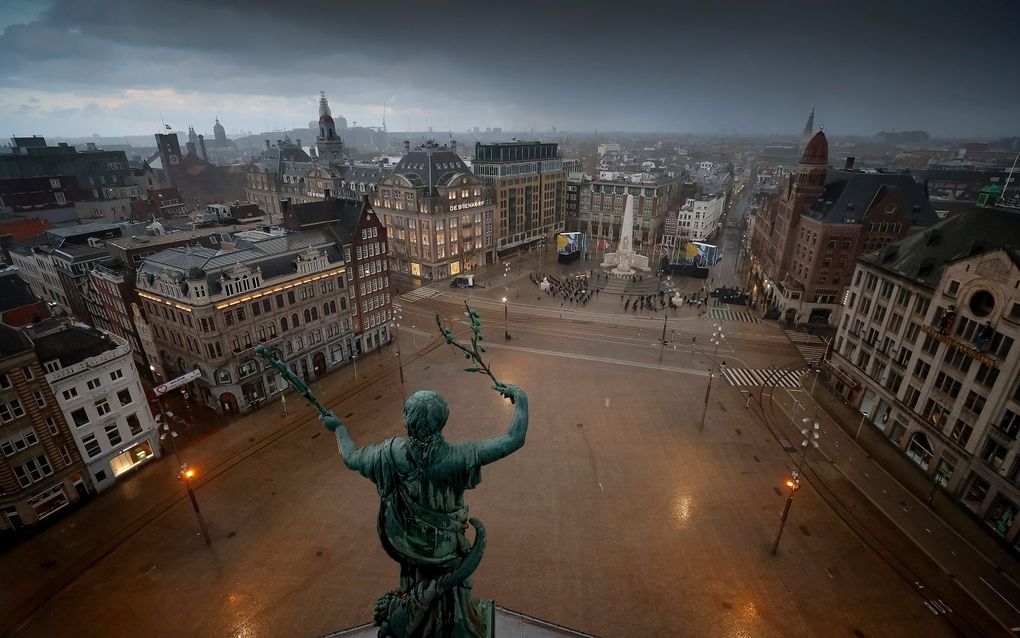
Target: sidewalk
[{"x": 945, "y": 535}]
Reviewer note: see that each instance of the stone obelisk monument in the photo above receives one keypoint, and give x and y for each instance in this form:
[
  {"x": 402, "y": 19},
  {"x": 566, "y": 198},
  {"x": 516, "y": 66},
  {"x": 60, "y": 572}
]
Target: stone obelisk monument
[{"x": 625, "y": 261}]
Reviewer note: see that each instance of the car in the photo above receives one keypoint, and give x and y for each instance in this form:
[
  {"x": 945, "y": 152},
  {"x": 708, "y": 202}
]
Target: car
[{"x": 467, "y": 281}]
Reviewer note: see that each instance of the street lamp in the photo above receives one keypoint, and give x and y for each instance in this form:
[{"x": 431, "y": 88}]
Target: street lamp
[
  {"x": 792, "y": 484},
  {"x": 717, "y": 338},
  {"x": 396, "y": 341},
  {"x": 864, "y": 415},
  {"x": 186, "y": 472},
  {"x": 506, "y": 317},
  {"x": 809, "y": 439}
]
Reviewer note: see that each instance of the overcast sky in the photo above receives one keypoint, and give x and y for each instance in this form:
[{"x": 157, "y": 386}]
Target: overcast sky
[{"x": 110, "y": 67}]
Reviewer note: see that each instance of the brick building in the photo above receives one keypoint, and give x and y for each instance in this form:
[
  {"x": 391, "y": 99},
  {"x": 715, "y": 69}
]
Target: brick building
[{"x": 808, "y": 236}]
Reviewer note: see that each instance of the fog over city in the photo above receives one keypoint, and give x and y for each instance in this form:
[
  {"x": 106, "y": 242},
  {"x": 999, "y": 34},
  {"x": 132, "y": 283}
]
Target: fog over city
[{"x": 113, "y": 67}]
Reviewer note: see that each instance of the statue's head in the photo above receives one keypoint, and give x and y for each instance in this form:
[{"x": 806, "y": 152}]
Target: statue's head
[{"x": 425, "y": 414}]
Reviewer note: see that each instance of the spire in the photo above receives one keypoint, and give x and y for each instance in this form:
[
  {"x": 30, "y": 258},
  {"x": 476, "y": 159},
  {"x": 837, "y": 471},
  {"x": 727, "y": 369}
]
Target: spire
[
  {"x": 323, "y": 105},
  {"x": 809, "y": 128}
]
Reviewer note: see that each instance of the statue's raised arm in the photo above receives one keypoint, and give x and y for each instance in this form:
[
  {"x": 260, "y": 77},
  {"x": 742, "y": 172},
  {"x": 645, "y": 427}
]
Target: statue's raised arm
[{"x": 502, "y": 446}]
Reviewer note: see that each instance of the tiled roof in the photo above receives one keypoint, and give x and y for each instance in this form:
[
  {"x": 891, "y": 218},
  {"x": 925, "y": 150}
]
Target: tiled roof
[
  {"x": 850, "y": 194},
  {"x": 14, "y": 292},
  {"x": 72, "y": 345},
  {"x": 923, "y": 256}
]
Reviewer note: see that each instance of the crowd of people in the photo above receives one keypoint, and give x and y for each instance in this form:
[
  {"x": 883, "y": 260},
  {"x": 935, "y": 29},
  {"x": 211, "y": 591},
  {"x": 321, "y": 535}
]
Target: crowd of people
[{"x": 573, "y": 291}]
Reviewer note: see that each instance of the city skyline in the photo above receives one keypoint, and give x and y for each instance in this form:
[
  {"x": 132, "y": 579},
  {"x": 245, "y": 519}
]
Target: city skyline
[{"x": 114, "y": 69}]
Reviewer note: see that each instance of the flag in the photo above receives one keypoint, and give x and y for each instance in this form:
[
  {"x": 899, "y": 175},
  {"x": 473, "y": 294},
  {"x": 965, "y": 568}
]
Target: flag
[{"x": 167, "y": 127}]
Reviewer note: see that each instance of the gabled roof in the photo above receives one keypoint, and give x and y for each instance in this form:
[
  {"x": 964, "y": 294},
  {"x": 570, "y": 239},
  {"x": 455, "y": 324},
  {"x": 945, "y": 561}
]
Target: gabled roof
[
  {"x": 922, "y": 257},
  {"x": 12, "y": 341},
  {"x": 14, "y": 292},
  {"x": 850, "y": 194},
  {"x": 341, "y": 215}
]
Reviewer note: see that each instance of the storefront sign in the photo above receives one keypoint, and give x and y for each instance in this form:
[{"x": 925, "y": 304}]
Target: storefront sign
[{"x": 176, "y": 383}]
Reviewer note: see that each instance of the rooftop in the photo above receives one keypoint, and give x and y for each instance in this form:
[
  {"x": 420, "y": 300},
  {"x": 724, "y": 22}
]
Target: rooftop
[
  {"x": 923, "y": 257},
  {"x": 14, "y": 292},
  {"x": 71, "y": 344},
  {"x": 12, "y": 341},
  {"x": 851, "y": 194}
]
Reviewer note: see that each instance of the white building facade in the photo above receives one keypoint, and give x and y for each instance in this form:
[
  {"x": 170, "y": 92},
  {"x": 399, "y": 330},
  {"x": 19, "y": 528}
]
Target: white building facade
[
  {"x": 96, "y": 385},
  {"x": 700, "y": 217},
  {"x": 926, "y": 349}
]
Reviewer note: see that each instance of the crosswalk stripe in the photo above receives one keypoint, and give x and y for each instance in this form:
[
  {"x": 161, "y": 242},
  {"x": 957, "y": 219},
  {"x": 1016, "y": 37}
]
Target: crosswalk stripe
[
  {"x": 725, "y": 314},
  {"x": 761, "y": 376},
  {"x": 421, "y": 293}
]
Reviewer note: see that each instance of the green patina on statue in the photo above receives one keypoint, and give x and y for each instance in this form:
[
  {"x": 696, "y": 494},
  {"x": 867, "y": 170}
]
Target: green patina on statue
[{"x": 423, "y": 521}]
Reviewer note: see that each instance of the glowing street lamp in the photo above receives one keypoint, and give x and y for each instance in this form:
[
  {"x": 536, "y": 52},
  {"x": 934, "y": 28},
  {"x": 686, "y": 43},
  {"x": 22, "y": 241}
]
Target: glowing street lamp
[{"x": 792, "y": 484}]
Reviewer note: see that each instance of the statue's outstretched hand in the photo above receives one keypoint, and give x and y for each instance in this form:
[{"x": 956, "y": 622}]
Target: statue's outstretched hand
[
  {"x": 330, "y": 421},
  {"x": 509, "y": 391}
]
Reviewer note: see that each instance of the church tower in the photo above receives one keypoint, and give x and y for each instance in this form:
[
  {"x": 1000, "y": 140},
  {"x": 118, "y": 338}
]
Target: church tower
[
  {"x": 809, "y": 130},
  {"x": 219, "y": 134},
  {"x": 329, "y": 145},
  {"x": 192, "y": 136}
]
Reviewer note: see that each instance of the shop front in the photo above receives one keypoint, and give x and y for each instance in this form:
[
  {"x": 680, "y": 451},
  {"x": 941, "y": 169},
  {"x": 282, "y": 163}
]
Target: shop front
[
  {"x": 49, "y": 502},
  {"x": 132, "y": 457}
]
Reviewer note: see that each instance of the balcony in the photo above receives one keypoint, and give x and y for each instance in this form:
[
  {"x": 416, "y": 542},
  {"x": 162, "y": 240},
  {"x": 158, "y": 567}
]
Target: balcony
[{"x": 971, "y": 352}]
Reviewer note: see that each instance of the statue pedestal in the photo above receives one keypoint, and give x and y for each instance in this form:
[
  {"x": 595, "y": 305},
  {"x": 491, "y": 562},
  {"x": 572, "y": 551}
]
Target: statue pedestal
[{"x": 505, "y": 623}]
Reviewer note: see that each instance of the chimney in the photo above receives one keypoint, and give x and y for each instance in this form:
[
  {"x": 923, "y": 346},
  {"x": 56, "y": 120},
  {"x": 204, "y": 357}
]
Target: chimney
[
  {"x": 850, "y": 162},
  {"x": 453, "y": 145},
  {"x": 191, "y": 148},
  {"x": 298, "y": 142},
  {"x": 407, "y": 146},
  {"x": 201, "y": 147},
  {"x": 285, "y": 212},
  {"x": 267, "y": 145}
]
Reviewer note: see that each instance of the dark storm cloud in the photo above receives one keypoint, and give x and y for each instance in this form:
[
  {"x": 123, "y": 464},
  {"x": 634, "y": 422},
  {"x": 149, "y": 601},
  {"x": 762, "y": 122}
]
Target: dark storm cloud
[{"x": 707, "y": 66}]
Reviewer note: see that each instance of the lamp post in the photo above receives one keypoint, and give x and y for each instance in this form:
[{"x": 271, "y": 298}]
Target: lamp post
[
  {"x": 793, "y": 484},
  {"x": 506, "y": 300},
  {"x": 663, "y": 345},
  {"x": 717, "y": 338},
  {"x": 506, "y": 317},
  {"x": 354, "y": 360},
  {"x": 185, "y": 473},
  {"x": 396, "y": 342},
  {"x": 811, "y": 434},
  {"x": 864, "y": 415}
]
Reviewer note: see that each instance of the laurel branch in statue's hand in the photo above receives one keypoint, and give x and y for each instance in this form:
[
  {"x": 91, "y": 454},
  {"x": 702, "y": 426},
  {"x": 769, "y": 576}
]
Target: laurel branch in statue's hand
[{"x": 508, "y": 390}]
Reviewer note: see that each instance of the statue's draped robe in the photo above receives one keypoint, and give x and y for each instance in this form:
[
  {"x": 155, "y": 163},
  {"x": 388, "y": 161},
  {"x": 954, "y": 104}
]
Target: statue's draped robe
[{"x": 422, "y": 524}]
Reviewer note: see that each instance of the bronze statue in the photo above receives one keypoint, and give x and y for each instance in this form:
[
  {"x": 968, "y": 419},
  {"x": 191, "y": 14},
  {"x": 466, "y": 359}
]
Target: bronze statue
[{"x": 422, "y": 520}]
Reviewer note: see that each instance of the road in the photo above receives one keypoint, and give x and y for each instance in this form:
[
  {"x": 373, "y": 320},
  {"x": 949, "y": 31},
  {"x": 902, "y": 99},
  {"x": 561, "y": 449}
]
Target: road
[{"x": 618, "y": 518}]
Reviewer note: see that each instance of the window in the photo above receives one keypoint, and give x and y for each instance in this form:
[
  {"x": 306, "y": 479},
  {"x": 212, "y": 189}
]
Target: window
[
  {"x": 27, "y": 371},
  {"x": 947, "y": 384},
  {"x": 113, "y": 434},
  {"x": 51, "y": 366},
  {"x": 134, "y": 425},
  {"x": 913, "y": 394},
  {"x": 931, "y": 345},
  {"x": 65, "y": 456},
  {"x": 987, "y": 376},
  {"x": 912, "y": 330},
  {"x": 975, "y": 403},
  {"x": 70, "y": 393},
  {"x": 5, "y": 382},
  {"x": 922, "y": 369},
  {"x": 102, "y": 407},
  {"x": 124, "y": 396},
  {"x": 116, "y": 374},
  {"x": 1010, "y": 424},
  {"x": 92, "y": 448},
  {"x": 93, "y": 383},
  {"x": 80, "y": 417},
  {"x": 994, "y": 453},
  {"x": 51, "y": 424},
  {"x": 40, "y": 400},
  {"x": 953, "y": 288}
]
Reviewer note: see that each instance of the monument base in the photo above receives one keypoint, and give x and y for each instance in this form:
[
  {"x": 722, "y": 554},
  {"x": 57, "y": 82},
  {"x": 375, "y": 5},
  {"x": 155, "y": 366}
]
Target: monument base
[{"x": 504, "y": 623}]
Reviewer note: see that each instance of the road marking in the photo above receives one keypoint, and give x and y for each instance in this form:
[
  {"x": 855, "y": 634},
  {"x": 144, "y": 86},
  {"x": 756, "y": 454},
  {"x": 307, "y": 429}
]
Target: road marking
[
  {"x": 607, "y": 402},
  {"x": 585, "y": 357},
  {"x": 1004, "y": 599}
]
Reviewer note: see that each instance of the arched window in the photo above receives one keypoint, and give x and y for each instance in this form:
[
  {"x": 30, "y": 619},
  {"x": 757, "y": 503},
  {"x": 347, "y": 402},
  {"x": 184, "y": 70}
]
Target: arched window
[
  {"x": 308, "y": 315},
  {"x": 332, "y": 306},
  {"x": 325, "y": 309},
  {"x": 315, "y": 313},
  {"x": 294, "y": 320},
  {"x": 283, "y": 324}
]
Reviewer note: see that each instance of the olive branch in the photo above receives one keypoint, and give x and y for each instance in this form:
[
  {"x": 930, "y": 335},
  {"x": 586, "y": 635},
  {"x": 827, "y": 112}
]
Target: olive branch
[{"x": 475, "y": 352}]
